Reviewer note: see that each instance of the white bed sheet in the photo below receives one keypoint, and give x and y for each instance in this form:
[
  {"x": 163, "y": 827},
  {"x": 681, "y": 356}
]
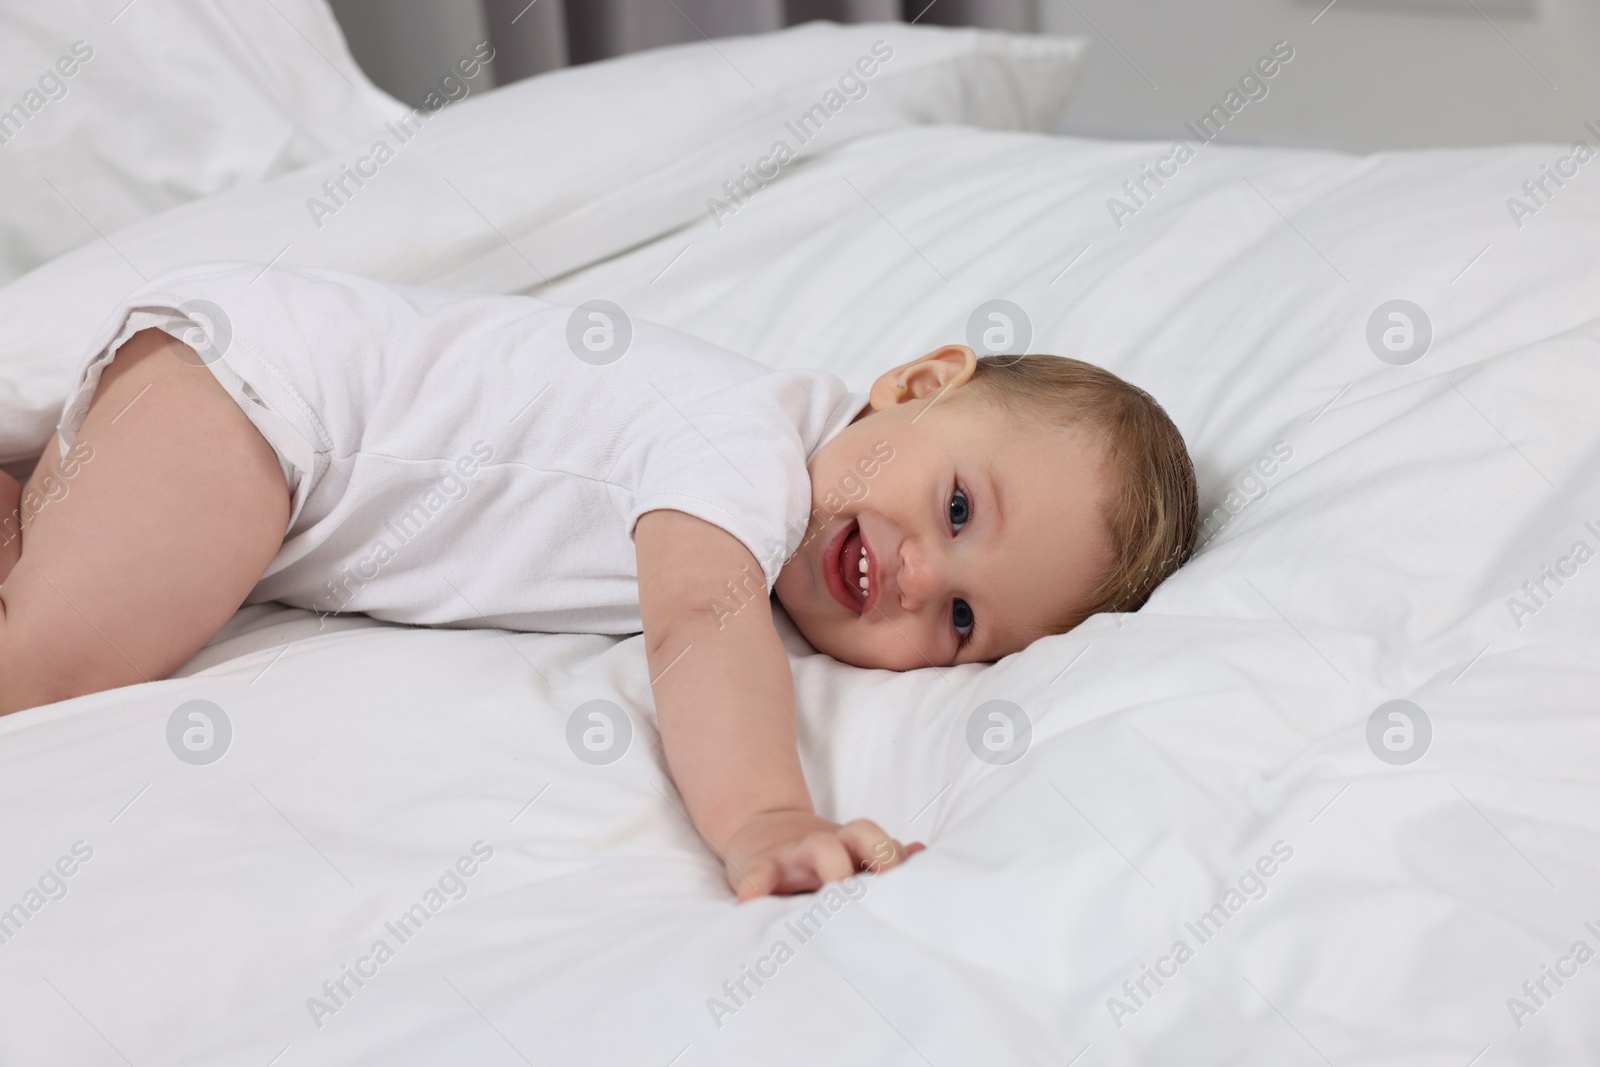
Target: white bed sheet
[{"x": 1171, "y": 749}]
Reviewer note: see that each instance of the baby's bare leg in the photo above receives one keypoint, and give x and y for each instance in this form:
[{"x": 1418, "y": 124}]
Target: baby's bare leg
[
  {"x": 10, "y": 523},
  {"x": 139, "y": 546}
]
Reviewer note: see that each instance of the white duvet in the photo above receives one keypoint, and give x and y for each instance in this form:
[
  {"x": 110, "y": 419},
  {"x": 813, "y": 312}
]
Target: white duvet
[{"x": 1198, "y": 773}]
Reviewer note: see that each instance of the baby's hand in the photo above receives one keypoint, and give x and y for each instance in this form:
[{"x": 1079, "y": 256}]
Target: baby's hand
[{"x": 796, "y": 852}]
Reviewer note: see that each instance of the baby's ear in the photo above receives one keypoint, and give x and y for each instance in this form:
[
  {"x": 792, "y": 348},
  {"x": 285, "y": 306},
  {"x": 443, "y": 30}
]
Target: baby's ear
[{"x": 939, "y": 371}]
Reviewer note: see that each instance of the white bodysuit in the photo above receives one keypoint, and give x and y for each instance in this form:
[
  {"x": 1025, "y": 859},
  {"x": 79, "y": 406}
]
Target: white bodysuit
[{"x": 460, "y": 459}]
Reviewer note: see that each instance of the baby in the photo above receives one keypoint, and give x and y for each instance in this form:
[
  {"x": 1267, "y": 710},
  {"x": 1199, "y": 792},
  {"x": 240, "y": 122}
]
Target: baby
[{"x": 238, "y": 434}]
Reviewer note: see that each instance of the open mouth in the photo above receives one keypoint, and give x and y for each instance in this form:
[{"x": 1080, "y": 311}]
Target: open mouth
[{"x": 850, "y": 570}]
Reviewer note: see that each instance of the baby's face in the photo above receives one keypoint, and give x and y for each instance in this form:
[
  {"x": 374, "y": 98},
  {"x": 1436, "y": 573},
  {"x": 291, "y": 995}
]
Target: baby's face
[{"x": 978, "y": 529}]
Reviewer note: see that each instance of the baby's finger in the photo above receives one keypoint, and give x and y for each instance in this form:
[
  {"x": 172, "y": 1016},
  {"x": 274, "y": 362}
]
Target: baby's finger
[
  {"x": 870, "y": 846},
  {"x": 826, "y": 855},
  {"x": 757, "y": 880}
]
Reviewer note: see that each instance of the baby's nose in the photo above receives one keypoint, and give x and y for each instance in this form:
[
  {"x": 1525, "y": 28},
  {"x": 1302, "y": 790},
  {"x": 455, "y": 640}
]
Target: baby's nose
[{"x": 918, "y": 579}]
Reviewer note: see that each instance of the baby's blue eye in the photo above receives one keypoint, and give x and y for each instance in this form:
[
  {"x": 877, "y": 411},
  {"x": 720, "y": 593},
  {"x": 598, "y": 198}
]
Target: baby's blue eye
[
  {"x": 961, "y": 617},
  {"x": 960, "y": 510}
]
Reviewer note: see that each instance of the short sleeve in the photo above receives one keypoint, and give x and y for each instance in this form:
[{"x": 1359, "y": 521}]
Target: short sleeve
[{"x": 738, "y": 458}]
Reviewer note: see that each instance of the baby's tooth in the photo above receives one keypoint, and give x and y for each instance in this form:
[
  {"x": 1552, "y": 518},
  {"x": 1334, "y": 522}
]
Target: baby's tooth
[
  {"x": 863, "y": 564},
  {"x": 863, "y": 585}
]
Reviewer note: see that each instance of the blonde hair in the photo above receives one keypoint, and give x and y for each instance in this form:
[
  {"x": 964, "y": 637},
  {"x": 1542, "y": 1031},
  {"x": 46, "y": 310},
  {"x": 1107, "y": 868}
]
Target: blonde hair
[{"x": 1154, "y": 512}]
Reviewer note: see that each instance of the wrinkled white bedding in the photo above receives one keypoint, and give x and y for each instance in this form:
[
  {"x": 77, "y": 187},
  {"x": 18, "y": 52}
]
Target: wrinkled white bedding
[
  {"x": 110, "y": 114},
  {"x": 1220, "y": 731}
]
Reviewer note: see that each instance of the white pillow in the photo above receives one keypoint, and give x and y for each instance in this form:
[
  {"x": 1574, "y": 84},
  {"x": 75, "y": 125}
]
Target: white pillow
[
  {"x": 131, "y": 109},
  {"x": 541, "y": 177}
]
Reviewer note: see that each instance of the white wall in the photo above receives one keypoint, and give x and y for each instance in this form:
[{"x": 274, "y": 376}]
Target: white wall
[{"x": 1364, "y": 76}]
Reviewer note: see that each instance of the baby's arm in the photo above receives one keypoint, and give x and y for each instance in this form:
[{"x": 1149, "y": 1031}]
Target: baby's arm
[{"x": 725, "y": 701}]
